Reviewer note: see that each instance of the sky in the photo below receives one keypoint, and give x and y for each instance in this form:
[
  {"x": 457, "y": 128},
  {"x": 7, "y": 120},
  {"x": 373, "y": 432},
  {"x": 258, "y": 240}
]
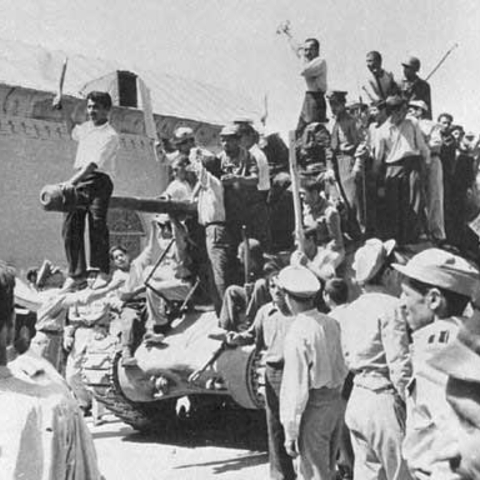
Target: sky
[{"x": 233, "y": 43}]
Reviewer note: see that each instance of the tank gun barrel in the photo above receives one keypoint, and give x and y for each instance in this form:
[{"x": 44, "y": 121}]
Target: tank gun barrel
[{"x": 153, "y": 205}]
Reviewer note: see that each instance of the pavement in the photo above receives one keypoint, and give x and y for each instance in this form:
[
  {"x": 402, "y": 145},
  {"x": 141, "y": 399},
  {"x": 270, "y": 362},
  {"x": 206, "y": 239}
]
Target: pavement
[{"x": 223, "y": 446}]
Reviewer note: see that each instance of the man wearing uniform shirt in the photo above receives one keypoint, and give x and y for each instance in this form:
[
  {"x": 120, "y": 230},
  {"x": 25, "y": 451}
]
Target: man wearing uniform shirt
[
  {"x": 418, "y": 109},
  {"x": 43, "y": 433},
  {"x": 402, "y": 148},
  {"x": 380, "y": 84},
  {"x": 314, "y": 71},
  {"x": 240, "y": 181},
  {"x": 98, "y": 144},
  {"x": 413, "y": 87},
  {"x": 436, "y": 288},
  {"x": 268, "y": 332},
  {"x": 347, "y": 168},
  {"x": 311, "y": 406},
  {"x": 376, "y": 349}
]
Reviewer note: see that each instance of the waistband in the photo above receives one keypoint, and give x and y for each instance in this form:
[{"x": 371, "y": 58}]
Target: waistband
[
  {"x": 410, "y": 160},
  {"x": 51, "y": 332},
  {"x": 275, "y": 365},
  {"x": 216, "y": 224},
  {"x": 324, "y": 393},
  {"x": 316, "y": 93}
]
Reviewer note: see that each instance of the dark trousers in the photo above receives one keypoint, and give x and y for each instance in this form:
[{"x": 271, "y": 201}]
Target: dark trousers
[
  {"x": 403, "y": 200},
  {"x": 96, "y": 189},
  {"x": 281, "y": 464},
  {"x": 314, "y": 109},
  {"x": 218, "y": 249}
]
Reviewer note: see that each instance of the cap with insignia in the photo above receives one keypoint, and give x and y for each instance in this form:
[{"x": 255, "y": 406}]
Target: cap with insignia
[
  {"x": 370, "y": 258},
  {"x": 418, "y": 104},
  {"x": 443, "y": 269},
  {"x": 182, "y": 134},
  {"x": 299, "y": 282},
  {"x": 337, "y": 95},
  {"x": 230, "y": 130},
  {"x": 413, "y": 63}
]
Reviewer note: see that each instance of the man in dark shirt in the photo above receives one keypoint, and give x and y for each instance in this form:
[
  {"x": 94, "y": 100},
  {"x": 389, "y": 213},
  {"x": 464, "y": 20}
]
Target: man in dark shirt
[{"x": 413, "y": 87}]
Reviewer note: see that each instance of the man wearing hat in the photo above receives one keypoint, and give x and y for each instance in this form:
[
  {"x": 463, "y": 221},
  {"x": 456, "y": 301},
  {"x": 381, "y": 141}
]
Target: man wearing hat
[
  {"x": 402, "y": 149},
  {"x": 376, "y": 349},
  {"x": 418, "y": 109},
  {"x": 436, "y": 288},
  {"x": 184, "y": 141},
  {"x": 347, "y": 168},
  {"x": 413, "y": 87},
  {"x": 311, "y": 406},
  {"x": 380, "y": 84},
  {"x": 240, "y": 181}
]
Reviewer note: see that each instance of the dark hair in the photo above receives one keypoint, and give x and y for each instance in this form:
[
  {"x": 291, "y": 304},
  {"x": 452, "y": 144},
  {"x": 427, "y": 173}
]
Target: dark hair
[
  {"x": 454, "y": 128},
  {"x": 337, "y": 289},
  {"x": 103, "y": 98},
  {"x": 456, "y": 302},
  {"x": 445, "y": 115},
  {"x": 115, "y": 248},
  {"x": 32, "y": 274},
  {"x": 312, "y": 185},
  {"x": 376, "y": 55},
  {"x": 7, "y": 286},
  {"x": 314, "y": 41}
]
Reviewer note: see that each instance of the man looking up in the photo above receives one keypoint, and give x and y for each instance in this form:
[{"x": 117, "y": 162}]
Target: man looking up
[
  {"x": 380, "y": 84},
  {"x": 97, "y": 148},
  {"x": 413, "y": 87}
]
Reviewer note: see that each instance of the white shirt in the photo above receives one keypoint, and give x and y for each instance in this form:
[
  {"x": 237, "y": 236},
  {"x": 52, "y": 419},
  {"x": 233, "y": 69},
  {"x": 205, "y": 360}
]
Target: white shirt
[
  {"x": 313, "y": 360},
  {"x": 211, "y": 207},
  {"x": 315, "y": 73},
  {"x": 178, "y": 191},
  {"x": 263, "y": 169},
  {"x": 97, "y": 145}
]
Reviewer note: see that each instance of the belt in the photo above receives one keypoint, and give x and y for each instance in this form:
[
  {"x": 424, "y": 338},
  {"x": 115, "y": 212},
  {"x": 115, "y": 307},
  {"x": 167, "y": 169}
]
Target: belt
[
  {"x": 276, "y": 365},
  {"x": 52, "y": 332},
  {"x": 220, "y": 224}
]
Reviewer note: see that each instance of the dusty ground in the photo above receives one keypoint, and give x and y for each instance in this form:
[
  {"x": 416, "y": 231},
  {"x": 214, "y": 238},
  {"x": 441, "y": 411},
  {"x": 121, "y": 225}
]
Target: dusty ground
[{"x": 224, "y": 445}]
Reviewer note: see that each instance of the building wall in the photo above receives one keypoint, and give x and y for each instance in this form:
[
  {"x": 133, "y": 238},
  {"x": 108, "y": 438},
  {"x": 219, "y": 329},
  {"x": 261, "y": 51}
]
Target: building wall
[{"x": 36, "y": 150}]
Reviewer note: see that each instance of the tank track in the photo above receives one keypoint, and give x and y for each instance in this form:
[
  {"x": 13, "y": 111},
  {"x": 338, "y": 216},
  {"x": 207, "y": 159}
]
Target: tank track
[{"x": 100, "y": 376}]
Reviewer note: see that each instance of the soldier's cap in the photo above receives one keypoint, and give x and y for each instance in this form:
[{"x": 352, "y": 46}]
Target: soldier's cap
[
  {"x": 182, "y": 134},
  {"x": 231, "y": 130},
  {"x": 337, "y": 95},
  {"x": 299, "y": 282},
  {"x": 418, "y": 104},
  {"x": 162, "y": 219},
  {"x": 370, "y": 258},
  {"x": 461, "y": 357},
  {"x": 470, "y": 135},
  {"x": 394, "y": 101},
  {"x": 413, "y": 63},
  {"x": 444, "y": 270},
  {"x": 243, "y": 120}
]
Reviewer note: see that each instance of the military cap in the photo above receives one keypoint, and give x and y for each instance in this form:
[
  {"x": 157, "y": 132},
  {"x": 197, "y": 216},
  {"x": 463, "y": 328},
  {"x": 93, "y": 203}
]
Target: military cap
[
  {"x": 370, "y": 258},
  {"x": 394, "y": 101},
  {"x": 299, "y": 281},
  {"x": 231, "y": 130},
  {"x": 239, "y": 120},
  {"x": 418, "y": 104},
  {"x": 182, "y": 134},
  {"x": 337, "y": 95},
  {"x": 162, "y": 219},
  {"x": 413, "y": 63},
  {"x": 444, "y": 270}
]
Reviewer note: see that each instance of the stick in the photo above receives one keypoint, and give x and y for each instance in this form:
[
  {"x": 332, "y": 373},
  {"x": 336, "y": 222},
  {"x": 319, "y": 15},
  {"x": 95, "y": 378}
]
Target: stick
[
  {"x": 157, "y": 264},
  {"x": 196, "y": 374},
  {"x": 297, "y": 204},
  {"x": 57, "y": 101},
  {"x": 439, "y": 64},
  {"x": 246, "y": 255}
]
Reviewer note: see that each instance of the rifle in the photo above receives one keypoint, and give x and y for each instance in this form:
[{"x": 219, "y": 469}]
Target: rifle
[
  {"x": 297, "y": 203},
  {"x": 157, "y": 264},
  {"x": 212, "y": 359},
  {"x": 439, "y": 64},
  {"x": 246, "y": 262}
]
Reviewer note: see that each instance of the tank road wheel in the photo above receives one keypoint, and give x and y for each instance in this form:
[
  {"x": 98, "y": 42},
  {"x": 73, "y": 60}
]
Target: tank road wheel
[{"x": 100, "y": 374}]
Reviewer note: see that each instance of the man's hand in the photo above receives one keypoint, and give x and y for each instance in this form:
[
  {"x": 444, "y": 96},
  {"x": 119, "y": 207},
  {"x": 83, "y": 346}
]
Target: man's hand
[
  {"x": 57, "y": 102},
  {"x": 231, "y": 339},
  {"x": 291, "y": 448},
  {"x": 68, "y": 342}
]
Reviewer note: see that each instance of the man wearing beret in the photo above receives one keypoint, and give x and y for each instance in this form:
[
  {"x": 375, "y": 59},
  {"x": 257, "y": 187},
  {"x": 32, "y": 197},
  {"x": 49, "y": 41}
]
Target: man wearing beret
[
  {"x": 376, "y": 349},
  {"x": 311, "y": 405},
  {"x": 402, "y": 149},
  {"x": 413, "y": 87},
  {"x": 436, "y": 288}
]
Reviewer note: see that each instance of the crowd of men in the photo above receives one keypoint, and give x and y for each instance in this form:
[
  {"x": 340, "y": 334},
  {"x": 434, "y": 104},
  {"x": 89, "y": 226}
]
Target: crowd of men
[{"x": 381, "y": 383}]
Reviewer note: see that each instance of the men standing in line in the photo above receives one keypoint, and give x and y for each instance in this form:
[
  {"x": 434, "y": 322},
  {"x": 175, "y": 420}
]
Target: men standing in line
[
  {"x": 436, "y": 289},
  {"x": 380, "y": 84},
  {"x": 268, "y": 332},
  {"x": 413, "y": 87},
  {"x": 348, "y": 169},
  {"x": 402, "y": 148},
  {"x": 376, "y": 349},
  {"x": 433, "y": 172},
  {"x": 95, "y": 161},
  {"x": 314, "y": 71},
  {"x": 311, "y": 406}
]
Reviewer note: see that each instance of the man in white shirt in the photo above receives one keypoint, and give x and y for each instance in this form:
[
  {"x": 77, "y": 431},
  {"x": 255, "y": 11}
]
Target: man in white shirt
[
  {"x": 314, "y": 70},
  {"x": 380, "y": 84},
  {"x": 311, "y": 406},
  {"x": 94, "y": 163}
]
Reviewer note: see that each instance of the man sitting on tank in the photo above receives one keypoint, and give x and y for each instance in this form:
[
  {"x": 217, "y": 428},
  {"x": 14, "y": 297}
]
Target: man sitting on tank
[
  {"x": 148, "y": 292},
  {"x": 241, "y": 303}
]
